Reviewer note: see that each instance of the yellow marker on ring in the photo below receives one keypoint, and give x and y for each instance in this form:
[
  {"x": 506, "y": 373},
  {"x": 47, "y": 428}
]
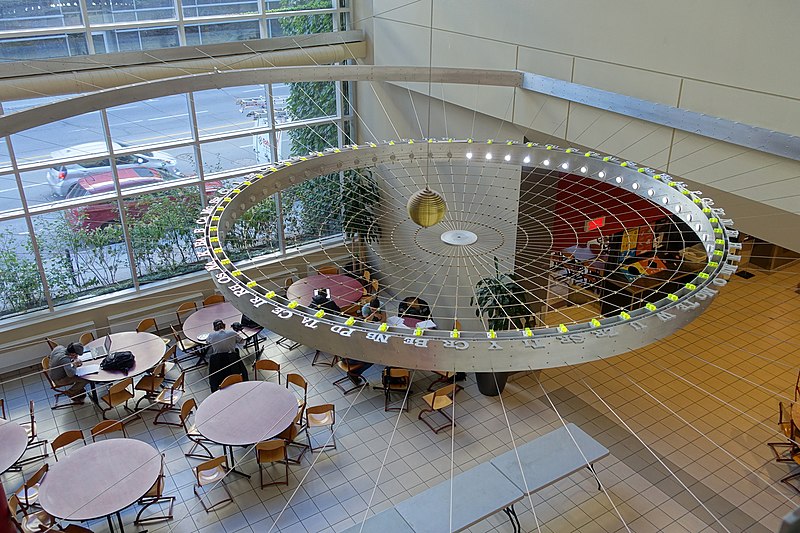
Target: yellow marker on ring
[
  {"x": 595, "y": 323},
  {"x": 293, "y": 304},
  {"x": 672, "y": 297},
  {"x": 270, "y": 294},
  {"x": 650, "y": 307},
  {"x": 625, "y": 315},
  {"x": 562, "y": 328},
  {"x": 528, "y": 332},
  {"x": 383, "y": 327},
  {"x": 454, "y": 334},
  {"x": 418, "y": 332},
  {"x": 319, "y": 314},
  {"x": 491, "y": 334},
  {"x": 350, "y": 321}
]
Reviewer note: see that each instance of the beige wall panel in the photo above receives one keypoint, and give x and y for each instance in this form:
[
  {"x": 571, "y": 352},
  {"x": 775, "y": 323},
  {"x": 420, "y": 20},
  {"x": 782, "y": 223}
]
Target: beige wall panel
[
  {"x": 740, "y": 43},
  {"x": 783, "y": 194},
  {"x": 628, "y": 81},
  {"x": 758, "y": 109},
  {"x": 536, "y": 111},
  {"x": 635, "y": 140}
]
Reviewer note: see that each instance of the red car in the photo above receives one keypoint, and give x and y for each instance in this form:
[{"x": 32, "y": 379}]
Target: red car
[{"x": 96, "y": 216}]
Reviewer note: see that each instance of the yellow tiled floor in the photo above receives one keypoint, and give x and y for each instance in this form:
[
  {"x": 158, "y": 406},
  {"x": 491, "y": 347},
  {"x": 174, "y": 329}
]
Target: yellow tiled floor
[{"x": 686, "y": 420}]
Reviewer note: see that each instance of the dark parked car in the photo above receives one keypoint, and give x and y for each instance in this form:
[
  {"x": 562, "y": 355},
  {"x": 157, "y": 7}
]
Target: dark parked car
[{"x": 100, "y": 215}]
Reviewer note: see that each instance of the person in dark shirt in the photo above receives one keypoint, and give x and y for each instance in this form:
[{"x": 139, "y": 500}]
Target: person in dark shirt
[
  {"x": 321, "y": 300},
  {"x": 64, "y": 363}
]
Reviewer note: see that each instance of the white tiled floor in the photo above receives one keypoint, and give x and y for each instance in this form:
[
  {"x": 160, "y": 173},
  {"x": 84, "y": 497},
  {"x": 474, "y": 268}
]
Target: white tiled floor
[{"x": 686, "y": 421}]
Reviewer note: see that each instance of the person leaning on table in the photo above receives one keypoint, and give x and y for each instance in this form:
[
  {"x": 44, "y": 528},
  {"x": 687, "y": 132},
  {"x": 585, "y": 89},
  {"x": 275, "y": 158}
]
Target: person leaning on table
[
  {"x": 224, "y": 359},
  {"x": 64, "y": 363}
]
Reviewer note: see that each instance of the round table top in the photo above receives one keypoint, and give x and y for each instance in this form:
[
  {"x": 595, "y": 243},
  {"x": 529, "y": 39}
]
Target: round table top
[
  {"x": 148, "y": 349},
  {"x": 15, "y": 440},
  {"x": 99, "y": 479},
  {"x": 796, "y": 414},
  {"x": 345, "y": 291},
  {"x": 201, "y": 322},
  {"x": 246, "y": 413}
]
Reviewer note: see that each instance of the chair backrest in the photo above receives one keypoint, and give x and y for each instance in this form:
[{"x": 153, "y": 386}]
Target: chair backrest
[
  {"x": 146, "y": 325},
  {"x": 51, "y": 343},
  {"x": 120, "y": 386},
  {"x": 288, "y": 282},
  {"x": 211, "y": 464},
  {"x": 46, "y": 369},
  {"x": 328, "y": 270},
  {"x": 186, "y": 410},
  {"x": 230, "y": 380},
  {"x": 290, "y": 433},
  {"x": 178, "y": 384},
  {"x": 367, "y": 276},
  {"x": 298, "y": 381},
  {"x": 317, "y": 412},
  {"x": 269, "y": 451},
  {"x": 785, "y": 421},
  {"x": 33, "y": 419},
  {"x": 86, "y": 338},
  {"x": 169, "y": 354},
  {"x": 184, "y": 308},
  {"x": 213, "y": 299},
  {"x": 106, "y": 427},
  {"x": 3, "y": 409},
  {"x": 35, "y": 478},
  {"x": 68, "y": 437},
  {"x": 397, "y": 377},
  {"x": 267, "y": 364},
  {"x": 445, "y": 391}
]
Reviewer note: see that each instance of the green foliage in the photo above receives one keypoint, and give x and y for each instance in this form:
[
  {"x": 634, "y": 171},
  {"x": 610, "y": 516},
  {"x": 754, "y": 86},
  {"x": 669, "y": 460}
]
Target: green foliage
[
  {"x": 502, "y": 300},
  {"x": 360, "y": 201},
  {"x": 20, "y": 283},
  {"x": 254, "y": 232}
]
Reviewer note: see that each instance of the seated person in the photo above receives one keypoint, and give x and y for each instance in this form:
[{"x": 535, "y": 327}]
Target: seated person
[
  {"x": 356, "y": 369},
  {"x": 64, "y": 362},
  {"x": 417, "y": 311},
  {"x": 372, "y": 311},
  {"x": 224, "y": 360},
  {"x": 321, "y": 300}
]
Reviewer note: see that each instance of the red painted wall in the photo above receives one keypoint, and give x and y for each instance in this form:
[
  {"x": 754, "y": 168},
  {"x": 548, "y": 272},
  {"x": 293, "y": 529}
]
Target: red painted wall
[{"x": 580, "y": 199}]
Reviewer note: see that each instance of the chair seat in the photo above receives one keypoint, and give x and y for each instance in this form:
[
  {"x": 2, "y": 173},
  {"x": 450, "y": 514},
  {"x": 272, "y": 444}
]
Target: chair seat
[
  {"x": 169, "y": 396},
  {"x": 117, "y": 398},
  {"x": 321, "y": 419},
  {"x": 396, "y": 386},
  {"x": 188, "y": 344},
  {"x": 149, "y": 383},
  {"x": 29, "y": 429},
  {"x": 211, "y": 476},
  {"x": 440, "y": 402},
  {"x": 349, "y": 367},
  {"x": 29, "y": 495},
  {"x": 36, "y": 522}
]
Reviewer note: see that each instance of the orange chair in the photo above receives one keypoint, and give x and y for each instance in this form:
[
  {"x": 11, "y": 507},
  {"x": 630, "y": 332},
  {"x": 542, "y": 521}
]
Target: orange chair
[
  {"x": 31, "y": 522},
  {"x": 290, "y": 435},
  {"x": 107, "y": 427},
  {"x": 268, "y": 365},
  {"x": 213, "y": 299},
  {"x": 118, "y": 394},
  {"x": 437, "y": 401},
  {"x": 155, "y": 496},
  {"x": 328, "y": 270},
  {"x": 298, "y": 382},
  {"x": 86, "y": 338},
  {"x": 184, "y": 309},
  {"x": 231, "y": 380},
  {"x": 33, "y": 438},
  {"x": 28, "y": 493},
  {"x": 191, "y": 431},
  {"x": 61, "y": 391},
  {"x": 212, "y": 472},
  {"x": 150, "y": 325},
  {"x": 272, "y": 451},
  {"x": 168, "y": 400},
  {"x": 66, "y": 438},
  {"x": 321, "y": 416}
]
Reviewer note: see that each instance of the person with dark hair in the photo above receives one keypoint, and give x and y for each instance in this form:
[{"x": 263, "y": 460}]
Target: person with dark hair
[
  {"x": 64, "y": 363},
  {"x": 372, "y": 311},
  {"x": 321, "y": 300},
  {"x": 224, "y": 359}
]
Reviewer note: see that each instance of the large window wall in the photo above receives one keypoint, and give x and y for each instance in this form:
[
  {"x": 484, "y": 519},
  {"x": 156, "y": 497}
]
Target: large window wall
[{"x": 40, "y": 29}]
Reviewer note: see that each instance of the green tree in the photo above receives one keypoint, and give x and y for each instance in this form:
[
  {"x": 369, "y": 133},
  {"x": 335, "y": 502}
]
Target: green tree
[{"x": 20, "y": 283}]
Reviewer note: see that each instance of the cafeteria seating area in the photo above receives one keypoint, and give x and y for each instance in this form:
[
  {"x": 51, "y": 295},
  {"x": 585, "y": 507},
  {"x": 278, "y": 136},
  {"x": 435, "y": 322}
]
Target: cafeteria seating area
[{"x": 686, "y": 420}]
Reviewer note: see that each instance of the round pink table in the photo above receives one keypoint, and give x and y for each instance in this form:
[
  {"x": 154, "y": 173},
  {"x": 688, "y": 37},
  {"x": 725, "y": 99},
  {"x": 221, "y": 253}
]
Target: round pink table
[
  {"x": 345, "y": 291},
  {"x": 99, "y": 479},
  {"x": 13, "y": 442},
  {"x": 148, "y": 349},
  {"x": 245, "y": 413},
  {"x": 201, "y": 322}
]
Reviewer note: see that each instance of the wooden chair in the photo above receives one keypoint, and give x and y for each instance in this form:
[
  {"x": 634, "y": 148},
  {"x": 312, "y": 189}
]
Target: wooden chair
[
  {"x": 787, "y": 427},
  {"x": 318, "y": 353},
  {"x": 168, "y": 399},
  {"x": 190, "y": 350},
  {"x": 270, "y": 452},
  {"x": 155, "y": 496},
  {"x": 3, "y": 409},
  {"x": 395, "y": 381},
  {"x": 231, "y": 380},
  {"x": 213, "y": 299},
  {"x": 31, "y": 522},
  {"x": 212, "y": 472},
  {"x": 789, "y": 480},
  {"x": 297, "y": 383},
  {"x": 191, "y": 431},
  {"x": 437, "y": 401},
  {"x": 444, "y": 377},
  {"x": 151, "y": 384},
  {"x": 51, "y": 343},
  {"x": 351, "y": 368},
  {"x": 290, "y": 435},
  {"x": 118, "y": 394},
  {"x": 184, "y": 309},
  {"x": 328, "y": 270},
  {"x": 86, "y": 338},
  {"x": 33, "y": 438},
  {"x": 150, "y": 325},
  {"x": 287, "y": 283},
  {"x": 65, "y": 439},
  {"x": 267, "y": 365},
  {"x": 106, "y": 427},
  {"x": 61, "y": 391},
  {"x": 321, "y": 416},
  {"x": 28, "y": 493}
]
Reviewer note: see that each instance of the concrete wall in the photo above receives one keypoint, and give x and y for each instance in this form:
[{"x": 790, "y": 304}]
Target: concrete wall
[{"x": 732, "y": 59}]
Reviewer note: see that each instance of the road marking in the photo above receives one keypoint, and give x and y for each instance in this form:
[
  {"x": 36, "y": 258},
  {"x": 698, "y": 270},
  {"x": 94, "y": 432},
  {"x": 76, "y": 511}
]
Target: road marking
[
  {"x": 168, "y": 116},
  {"x": 124, "y": 107},
  {"x": 254, "y": 91},
  {"x": 246, "y": 146},
  {"x": 27, "y": 186}
]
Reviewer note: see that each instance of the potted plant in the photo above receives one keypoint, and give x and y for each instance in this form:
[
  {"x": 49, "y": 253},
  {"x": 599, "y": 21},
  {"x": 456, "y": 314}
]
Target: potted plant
[{"x": 504, "y": 303}]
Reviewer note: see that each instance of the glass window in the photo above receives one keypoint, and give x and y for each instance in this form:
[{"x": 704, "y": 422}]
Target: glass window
[
  {"x": 20, "y": 283},
  {"x": 107, "y": 12},
  {"x": 72, "y": 137},
  {"x": 255, "y": 233},
  {"x": 210, "y": 8},
  {"x": 83, "y": 251},
  {"x": 28, "y": 15},
  {"x": 230, "y": 154},
  {"x": 292, "y": 5},
  {"x": 309, "y": 100},
  {"x": 5, "y": 158},
  {"x": 9, "y": 193},
  {"x": 161, "y": 226},
  {"x": 230, "y": 109},
  {"x": 110, "y": 41},
  {"x": 310, "y": 139},
  {"x": 300, "y": 25},
  {"x": 312, "y": 210},
  {"x": 150, "y": 121},
  {"x": 43, "y": 46},
  {"x": 225, "y": 32}
]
